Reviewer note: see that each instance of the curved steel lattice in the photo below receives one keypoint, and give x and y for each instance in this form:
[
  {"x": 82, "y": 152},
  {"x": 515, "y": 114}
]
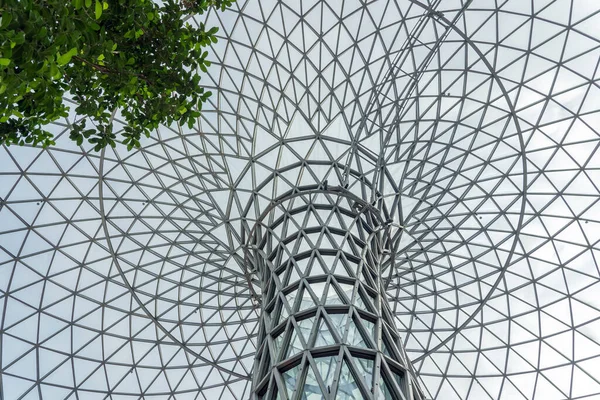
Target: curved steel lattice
[
  {"x": 326, "y": 328},
  {"x": 475, "y": 125}
]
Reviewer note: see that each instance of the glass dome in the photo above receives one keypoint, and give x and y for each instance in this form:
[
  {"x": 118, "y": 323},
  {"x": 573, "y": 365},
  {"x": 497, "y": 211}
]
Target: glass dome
[{"x": 473, "y": 124}]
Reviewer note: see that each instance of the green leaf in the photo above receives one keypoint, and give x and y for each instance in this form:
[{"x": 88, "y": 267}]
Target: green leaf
[
  {"x": 20, "y": 38},
  {"x": 54, "y": 72},
  {"x": 63, "y": 59},
  {"x": 4, "y": 61},
  {"x": 98, "y": 10},
  {"x": 88, "y": 3},
  {"x": 6, "y": 18},
  {"x": 66, "y": 58},
  {"x": 87, "y": 133}
]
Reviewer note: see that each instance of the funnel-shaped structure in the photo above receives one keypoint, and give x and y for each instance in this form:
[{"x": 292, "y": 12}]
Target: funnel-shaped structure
[
  {"x": 326, "y": 328},
  {"x": 248, "y": 256}
]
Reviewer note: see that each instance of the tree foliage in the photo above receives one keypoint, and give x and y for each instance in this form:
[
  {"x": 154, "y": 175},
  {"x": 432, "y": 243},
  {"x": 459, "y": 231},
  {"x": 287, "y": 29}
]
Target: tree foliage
[{"x": 135, "y": 56}]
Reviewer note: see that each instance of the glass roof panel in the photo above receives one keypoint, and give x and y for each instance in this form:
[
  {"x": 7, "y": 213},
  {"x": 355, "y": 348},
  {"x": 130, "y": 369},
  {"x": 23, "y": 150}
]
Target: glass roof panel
[{"x": 475, "y": 123}]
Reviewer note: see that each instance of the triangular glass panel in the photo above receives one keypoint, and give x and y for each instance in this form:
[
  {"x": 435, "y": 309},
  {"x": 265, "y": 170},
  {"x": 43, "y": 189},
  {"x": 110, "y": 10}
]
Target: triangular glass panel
[
  {"x": 290, "y": 377},
  {"x": 385, "y": 349},
  {"x": 355, "y": 338},
  {"x": 298, "y": 243},
  {"x": 302, "y": 266},
  {"x": 318, "y": 288},
  {"x": 306, "y": 301},
  {"x": 347, "y": 386},
  {"x": 340, "y": 270},
  {"x": 400, "y": 379},
  {"x": 334, "y": 222},
  {"x": 317, "y": 269},
  {"x": 333, "y": 239},
  {"x": 305, "y": 245},
  {"x": 322, "y": 265},
  {"x": 295, "y": 345},
  {"x": 265, "y": 363},
  {"x": 370, "y": 327},
  {"x": 324, "y": 337},
  {"x": 314, "y": 240},
  {"x": 348, "y": 290},
  {"x": 384, "y": 392},
  {"x": 312, "y": 219},
  {"x": 306, "y": 326},
  {"x": 326, "y": 367},
  {"x": 359, "y": 303},
  {"x": 280, "y": 316},
  {"x": 365, "y": 367},
  {"x": 312, "y": 389},
  {"x": 366, "y": 276},
  {"x": 365, "y": 300},
  {"x": 339, "y": 323},
  {"x": 277, "y": 341},
  {"x": 284, "y": 313},
  {"x": 291, "y": 299},
  {"x": 329, "y": 261},
  {"x": 294, "y": 275},
  {"x": 332, "y": 296}
]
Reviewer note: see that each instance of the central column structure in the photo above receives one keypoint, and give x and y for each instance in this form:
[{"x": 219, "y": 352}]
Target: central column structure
[{"x": 326, "y": 330}]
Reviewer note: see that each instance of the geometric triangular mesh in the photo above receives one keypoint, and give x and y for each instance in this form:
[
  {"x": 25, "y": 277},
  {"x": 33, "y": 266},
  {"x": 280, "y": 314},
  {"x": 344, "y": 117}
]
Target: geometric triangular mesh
[{"x": 122, "y": 273}]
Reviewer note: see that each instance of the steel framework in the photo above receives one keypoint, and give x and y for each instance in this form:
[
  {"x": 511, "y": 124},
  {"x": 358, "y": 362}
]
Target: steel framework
[
  {"x": 325, "y": 325},
  {"x": 471, "y": 127}
]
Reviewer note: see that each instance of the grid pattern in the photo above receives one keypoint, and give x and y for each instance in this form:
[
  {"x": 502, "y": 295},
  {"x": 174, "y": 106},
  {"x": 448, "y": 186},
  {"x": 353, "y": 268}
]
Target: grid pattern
[
  {"x": 326, "y": 330},
  {"x": 122, "y": 275}
]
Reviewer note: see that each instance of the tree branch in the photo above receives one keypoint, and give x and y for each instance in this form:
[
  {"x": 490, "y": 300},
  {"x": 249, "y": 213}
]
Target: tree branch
[
  {"x": 97, "y": 67},
  {"x": 107, "y": 70}
]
